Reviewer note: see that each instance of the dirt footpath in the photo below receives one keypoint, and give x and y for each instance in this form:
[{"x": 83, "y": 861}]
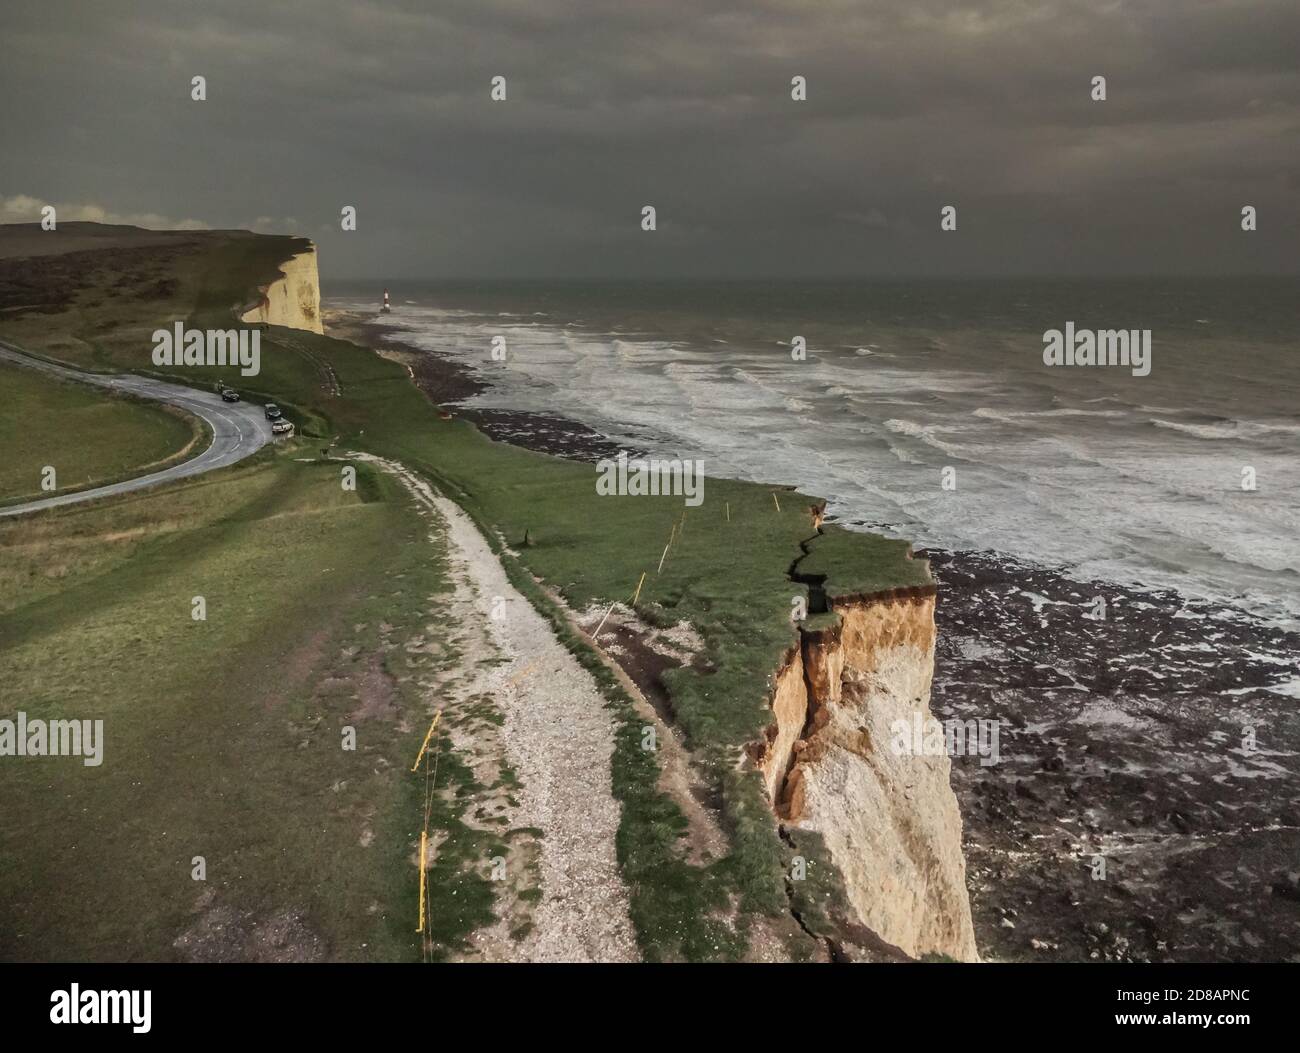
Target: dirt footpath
[{"x": 557, "y": 736}]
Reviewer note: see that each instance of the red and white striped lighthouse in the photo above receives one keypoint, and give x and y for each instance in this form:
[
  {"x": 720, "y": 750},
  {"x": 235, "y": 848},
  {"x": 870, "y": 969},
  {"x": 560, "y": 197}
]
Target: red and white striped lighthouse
[{"x": 386, "y": 307}]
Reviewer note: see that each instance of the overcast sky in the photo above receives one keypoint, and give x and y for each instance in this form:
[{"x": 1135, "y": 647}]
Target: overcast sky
[{"x": 680, "y": 104}]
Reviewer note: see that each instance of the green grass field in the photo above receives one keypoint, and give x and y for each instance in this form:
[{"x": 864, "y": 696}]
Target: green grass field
[
  {"x": 223, "y": 737},
  {"x": 89, "y": 437},
  {"x": 727, "y": 574}
]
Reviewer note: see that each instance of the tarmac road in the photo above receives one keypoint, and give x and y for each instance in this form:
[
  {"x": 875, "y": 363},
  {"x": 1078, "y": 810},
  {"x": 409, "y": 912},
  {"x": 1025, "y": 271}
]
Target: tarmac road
[{"x": 239, "y": 429}]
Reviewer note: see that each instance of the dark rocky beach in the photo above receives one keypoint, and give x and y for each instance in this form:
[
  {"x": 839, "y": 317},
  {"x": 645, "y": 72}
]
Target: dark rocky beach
[{"x": 1148, "y": 739}]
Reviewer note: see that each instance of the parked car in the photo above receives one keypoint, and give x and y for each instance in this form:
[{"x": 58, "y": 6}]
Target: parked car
[
  {"x": 280, "y": 426},
  {"x": 273, "y": 411},
  {"x": 229, "y": 395}
]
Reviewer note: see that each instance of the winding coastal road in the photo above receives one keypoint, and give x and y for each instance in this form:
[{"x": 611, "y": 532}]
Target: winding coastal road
[{"x": 238, "y": 429}]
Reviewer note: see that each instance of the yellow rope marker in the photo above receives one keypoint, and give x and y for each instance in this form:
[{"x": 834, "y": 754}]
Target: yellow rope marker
[
  {"x": 602, "y": 622},
  {"x": 638, "y": 589},
  {"x": 425, "y": 745},
  {"x": 424, "y": 848},
  {"x": 672, "y": 534},
  {"x": 728, "y": 511},
  {"x": 775, "y": 501}
]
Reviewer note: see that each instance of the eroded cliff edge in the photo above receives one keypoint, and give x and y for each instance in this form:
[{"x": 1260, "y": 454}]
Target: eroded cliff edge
[
  {"x": 293, "y": 299},
  {"x": 832, "y": 764},
  {"x": 863, "y": 663}
]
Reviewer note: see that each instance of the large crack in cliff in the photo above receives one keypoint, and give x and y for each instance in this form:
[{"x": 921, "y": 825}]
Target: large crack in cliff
[
  {"x": 815, "y": 583},
  {"x": 861, "y": 665}
]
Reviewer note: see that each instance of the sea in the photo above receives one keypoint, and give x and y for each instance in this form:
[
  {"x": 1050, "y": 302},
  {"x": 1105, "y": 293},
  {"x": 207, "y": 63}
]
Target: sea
[{"x": 924, "y": 409}]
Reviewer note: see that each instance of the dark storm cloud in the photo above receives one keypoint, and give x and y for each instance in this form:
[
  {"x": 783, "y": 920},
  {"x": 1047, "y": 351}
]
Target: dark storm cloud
[{"x": 914, "y": 104}]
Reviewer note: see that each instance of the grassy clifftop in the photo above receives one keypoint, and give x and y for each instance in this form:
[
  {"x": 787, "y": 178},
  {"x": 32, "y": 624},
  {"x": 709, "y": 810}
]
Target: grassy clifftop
[{"x": 726, "y": 573}]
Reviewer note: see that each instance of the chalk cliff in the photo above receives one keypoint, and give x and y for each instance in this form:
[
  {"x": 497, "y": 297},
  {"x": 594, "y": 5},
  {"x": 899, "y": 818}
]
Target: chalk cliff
[
  {"x": 292, "y": 300},
  {"x": 889, "y": 819}
]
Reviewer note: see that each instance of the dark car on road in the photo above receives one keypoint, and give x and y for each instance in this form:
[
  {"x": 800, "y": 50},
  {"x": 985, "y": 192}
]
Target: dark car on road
[
  {"x": 273, "y": 411},
  {"x": 229, "y": 395}
]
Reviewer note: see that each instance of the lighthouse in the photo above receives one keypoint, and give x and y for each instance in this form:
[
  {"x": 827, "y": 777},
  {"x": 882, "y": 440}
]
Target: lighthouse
[{"x": 386, "y": 308}]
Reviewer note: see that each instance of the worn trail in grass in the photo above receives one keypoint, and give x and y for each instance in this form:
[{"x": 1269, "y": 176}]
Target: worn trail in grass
[{"x": 557, "y": 738}]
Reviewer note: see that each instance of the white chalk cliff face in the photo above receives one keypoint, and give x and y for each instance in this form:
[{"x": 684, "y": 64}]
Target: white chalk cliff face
[
  {"x": 293, "y": 300},
  {"x": 889, "y": 820}
]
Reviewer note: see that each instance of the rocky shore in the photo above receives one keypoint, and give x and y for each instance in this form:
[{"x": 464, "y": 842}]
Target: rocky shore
[{"x": 1146, "y": 803}]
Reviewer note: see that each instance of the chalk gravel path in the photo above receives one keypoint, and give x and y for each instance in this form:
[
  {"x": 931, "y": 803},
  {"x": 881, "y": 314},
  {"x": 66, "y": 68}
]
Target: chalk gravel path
[{"x": 559, "y": 737}]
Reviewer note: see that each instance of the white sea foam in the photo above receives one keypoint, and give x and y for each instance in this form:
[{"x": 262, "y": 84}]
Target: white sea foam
[
  {"x": 1201, "y": 431},
  {"x": 1083, "y": 481}
]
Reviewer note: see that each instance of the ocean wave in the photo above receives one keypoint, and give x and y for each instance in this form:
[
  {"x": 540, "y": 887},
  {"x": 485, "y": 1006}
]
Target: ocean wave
[
  {"x": 1229, "y": 429},
  {"x": 1071, "y": 411},
  {"x": 924, "y": 433},
  {"x": 902, "y": 455},
  {"x": 906, "y": 427},
  {"x": 1201, "y": 431},
  {"x": 1288, "y": 429},
  {"x": 1016, "y": 416},
  {"x": 997, "y": 415}
]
